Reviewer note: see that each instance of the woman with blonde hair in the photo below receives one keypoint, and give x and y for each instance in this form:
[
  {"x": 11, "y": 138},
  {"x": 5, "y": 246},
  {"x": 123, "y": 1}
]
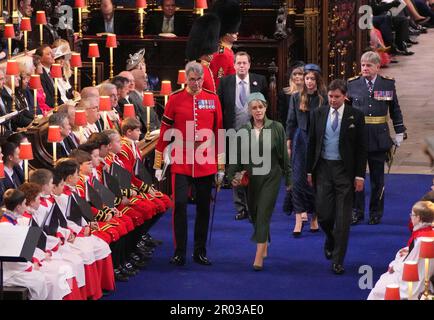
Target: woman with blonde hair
[
  {"x": 302, "y": 104},
  {"x": 264, "y": 180},
  {"x": 62, "y": 56}
]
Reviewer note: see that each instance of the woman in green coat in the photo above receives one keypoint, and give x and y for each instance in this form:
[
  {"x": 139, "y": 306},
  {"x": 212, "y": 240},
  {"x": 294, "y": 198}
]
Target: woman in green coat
[{"x": 265, "y": 160}]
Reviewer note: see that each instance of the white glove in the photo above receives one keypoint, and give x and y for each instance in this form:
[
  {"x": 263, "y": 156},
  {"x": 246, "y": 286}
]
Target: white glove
[
  {"x": 219, "y": 177},
  {"x": 399, "y": 137},
  {"x": 159, "y": 174}
]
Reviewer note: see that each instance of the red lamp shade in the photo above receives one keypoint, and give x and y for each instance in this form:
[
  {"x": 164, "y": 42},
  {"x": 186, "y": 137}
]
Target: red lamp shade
[
  {"x": 2, "y": 170},
  {"x": 411, "y": 272},
  {"x": 26, "y": 152},
  {"x": 166, "y": 87},
  {"x": 141, "y": 4},
  {"x": 35, "y": 82},
  {"x": 80, "y": 118},
  {"x": 392, "y": 292},
  {"x": 40, "y": 17},
  {"x": 25, "y": 24},
  {"x": 54, "y": 134},
  {"x": 426, "y": 249},
  {"x": 93, "y": 50},
  {"x": 148, "y": 99},
  {"x": 9, "y": 31},
  {"x": 12, "y": 68},
  {"x": 75, "y": 60},
  {"x": 56, "y": 70},
  {"x": 111, "y": 41},
  {"x": 181, "y": 77},
  {"x": 201, "y": 4},
  {"x": 105, "y": 103},
  {"x": 79, "y": 3},
  {"x": 129, "y": 111}
]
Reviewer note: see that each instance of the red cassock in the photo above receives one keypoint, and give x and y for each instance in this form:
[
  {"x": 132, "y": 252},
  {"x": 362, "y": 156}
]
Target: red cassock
[
  {"x": 195, "y": 118},
  {"x": 222, "y": 64},
  {"x": 128, "y": 156},
  {"x": 208, "y": 77}
]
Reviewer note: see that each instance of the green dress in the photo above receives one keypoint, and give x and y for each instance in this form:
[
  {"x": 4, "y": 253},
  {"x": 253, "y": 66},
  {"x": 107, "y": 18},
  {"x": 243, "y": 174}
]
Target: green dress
[{"x": 263, "y": 188}]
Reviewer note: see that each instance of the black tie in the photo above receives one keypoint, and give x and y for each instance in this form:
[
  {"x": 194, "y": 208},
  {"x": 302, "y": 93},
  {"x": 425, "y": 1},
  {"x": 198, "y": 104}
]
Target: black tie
[{"x": 16, "y": 180}]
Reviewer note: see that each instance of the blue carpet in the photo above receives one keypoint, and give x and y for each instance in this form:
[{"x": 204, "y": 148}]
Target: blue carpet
[{"x": 295, "y": 268}]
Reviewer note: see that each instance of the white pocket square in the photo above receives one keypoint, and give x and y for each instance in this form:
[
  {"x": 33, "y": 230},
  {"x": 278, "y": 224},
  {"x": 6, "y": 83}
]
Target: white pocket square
[
  {"x": 351, "y": 126},
  {"x": 351, "y": 117}
]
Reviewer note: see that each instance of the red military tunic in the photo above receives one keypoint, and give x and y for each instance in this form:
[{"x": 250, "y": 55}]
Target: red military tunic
[
  {"x": 201, "y": 111},
  {"x": 208, "y": 77},
  {"x": 222, "y": 63}
]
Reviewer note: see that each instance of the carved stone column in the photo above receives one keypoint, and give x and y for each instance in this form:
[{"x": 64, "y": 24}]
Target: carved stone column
[{"x": 311, "y": 31}]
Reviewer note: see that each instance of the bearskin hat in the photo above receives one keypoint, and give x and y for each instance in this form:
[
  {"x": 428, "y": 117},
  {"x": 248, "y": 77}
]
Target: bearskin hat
[
  {"x": 229, "y": 13},
  {"x": 204, "y": 36}
]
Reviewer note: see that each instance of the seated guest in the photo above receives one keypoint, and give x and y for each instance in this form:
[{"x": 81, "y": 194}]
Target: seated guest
[
  {"x": 24, "y": 274},
  {"x": 62, "y": 55},
  {"x": 27, "y": 68},
  {"x": 137, "y": 61},
  {"x": 26, "y": 116},
  {"x": 92, "y": 93},
  {"x": 18, "y": 138},
  {"x": 140, "y": 80},
  {"x": 7, "y": 126},
  {"x": 422, "y": 217},
  {"x": 108, "y": 20},
  {"x": 112, "y": 119},
  {"x": 122, "y": 86},
  {"x": 47, "y": 60},
  {"x": 92, "y": 116},
  {"x": 167, "y": 22},
  {"x": 40, "y": 96},
  {"x": 64, "y": 147},
  {"x": 70, "y": 110},
  {"x": 11, "y": 159}
]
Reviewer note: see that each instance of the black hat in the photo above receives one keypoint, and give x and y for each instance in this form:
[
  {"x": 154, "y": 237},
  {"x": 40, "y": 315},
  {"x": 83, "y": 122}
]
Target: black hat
[
  {"x": 203, "y": 38},
  {"x": 229, "y": 12}
]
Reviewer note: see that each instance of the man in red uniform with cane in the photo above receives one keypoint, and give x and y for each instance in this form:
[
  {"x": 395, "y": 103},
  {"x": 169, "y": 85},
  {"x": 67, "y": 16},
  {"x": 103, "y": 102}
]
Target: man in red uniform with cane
[{"x": 193, "y": 117}]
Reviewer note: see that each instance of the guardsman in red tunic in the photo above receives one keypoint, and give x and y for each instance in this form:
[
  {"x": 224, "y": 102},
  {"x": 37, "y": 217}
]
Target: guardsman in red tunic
[
  {"x": 202, "y": 43},
  {"x": 222, "y": 63},
  {"x": 193, "y": 116}
]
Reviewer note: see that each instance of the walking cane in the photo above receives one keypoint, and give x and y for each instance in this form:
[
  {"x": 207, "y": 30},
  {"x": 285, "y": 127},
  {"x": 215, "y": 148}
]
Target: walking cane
[
  {"x": 217, "y": 189},
  {"x": 389, "y": 166}
]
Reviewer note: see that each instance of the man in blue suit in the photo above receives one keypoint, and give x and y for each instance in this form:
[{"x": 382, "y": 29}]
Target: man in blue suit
[{"x": 376, "y": 97}]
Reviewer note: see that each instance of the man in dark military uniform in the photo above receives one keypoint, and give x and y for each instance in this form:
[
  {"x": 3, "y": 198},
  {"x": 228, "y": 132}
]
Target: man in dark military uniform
[
  {"x": 375, "y": 96},
  {"x": 202, "y": 43},
  {"x": 222, "y": 63}
]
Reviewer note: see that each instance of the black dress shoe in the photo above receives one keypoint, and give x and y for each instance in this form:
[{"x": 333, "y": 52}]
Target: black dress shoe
[
  {"x": 178, "y": 260},
  {"x": 154, "y": 241},
  {"x": 201, "y": 259},
  {"x": 356, "y": 218},
  {"x": 338, "y": 268},
  {"x": 328, "y": 249},
  {"x": 137, "y": 264},
  {"x": 411, "y": 41},
  {"x": 374, "y": 220},
  {"x": 119, "y": 276},
  {"x": 242, "y": 215}
]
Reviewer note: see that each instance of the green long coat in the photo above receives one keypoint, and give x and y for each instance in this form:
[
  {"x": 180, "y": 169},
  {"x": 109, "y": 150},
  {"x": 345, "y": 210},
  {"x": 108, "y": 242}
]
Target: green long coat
[{"x": 263, "y": 188}]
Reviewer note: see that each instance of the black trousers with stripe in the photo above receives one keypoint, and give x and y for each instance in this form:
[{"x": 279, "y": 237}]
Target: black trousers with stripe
[{"x": 203, "y": 187}]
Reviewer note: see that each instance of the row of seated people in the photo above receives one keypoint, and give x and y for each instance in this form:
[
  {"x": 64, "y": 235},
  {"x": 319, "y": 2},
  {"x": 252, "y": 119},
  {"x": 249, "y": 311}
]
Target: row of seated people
[
  {"x": 395, "y": 31},
  {"x": 127, "y": 87},
  {"x": 107, "y": 19},
  {"x": 123, "y": 226}
]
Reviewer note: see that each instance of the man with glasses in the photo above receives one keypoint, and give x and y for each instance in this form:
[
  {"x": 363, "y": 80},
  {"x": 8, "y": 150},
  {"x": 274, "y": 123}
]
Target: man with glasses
[{"x": 191, "y": 115}]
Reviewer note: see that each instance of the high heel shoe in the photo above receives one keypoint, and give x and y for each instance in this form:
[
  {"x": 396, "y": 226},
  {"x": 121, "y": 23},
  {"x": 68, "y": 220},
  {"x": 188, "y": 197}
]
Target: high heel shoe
[
  {"x": 298, "y": 221},
  {"x": 258, "y": 268}
]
